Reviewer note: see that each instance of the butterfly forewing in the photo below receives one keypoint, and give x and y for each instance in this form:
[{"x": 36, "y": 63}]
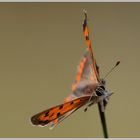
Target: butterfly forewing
[
  {"x": 88, "y": 71},
  {"x": 53, "y": 113},
  {"x": 61, "y": 118},
  {"x": 88, "y": 44},
  {"x": 85, "y": 71}
]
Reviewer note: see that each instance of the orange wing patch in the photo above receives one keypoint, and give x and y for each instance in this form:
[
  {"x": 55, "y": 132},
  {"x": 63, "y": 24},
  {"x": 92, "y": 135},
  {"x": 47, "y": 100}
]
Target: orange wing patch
[
  {"x": 79, "y": 74},
  {"x": 78, "y": 78},
  {"x": 54, "y": 113}
]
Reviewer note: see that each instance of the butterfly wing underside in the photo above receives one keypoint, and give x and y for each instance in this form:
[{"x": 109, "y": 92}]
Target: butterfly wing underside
[
  {"x": 85, "y": 72},
  {"x": 60, "y": 112},
  {"x": 88, "y": 70},
  {"x": 60, "y": 119},
  {"x": 96, "y": 70},
  {"x": 88, "y": 44}
]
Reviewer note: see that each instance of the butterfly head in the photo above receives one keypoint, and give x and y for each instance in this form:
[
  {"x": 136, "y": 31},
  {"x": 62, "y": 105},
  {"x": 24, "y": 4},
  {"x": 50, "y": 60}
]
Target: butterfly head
[{"x": 103, "y": 94}]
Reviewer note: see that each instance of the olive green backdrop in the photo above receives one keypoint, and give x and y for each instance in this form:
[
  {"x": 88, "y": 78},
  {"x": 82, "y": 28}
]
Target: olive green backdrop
[{"x": 41, "y": 45}]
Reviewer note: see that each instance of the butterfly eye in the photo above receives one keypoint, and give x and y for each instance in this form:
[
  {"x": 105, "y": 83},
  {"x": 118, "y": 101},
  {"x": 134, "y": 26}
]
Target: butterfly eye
[
  {"x": 99, "y": 93},
  {"x": 99, "y": 90}
]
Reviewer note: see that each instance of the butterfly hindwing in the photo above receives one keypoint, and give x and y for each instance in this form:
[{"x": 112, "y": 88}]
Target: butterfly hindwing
[
  {"x": 85, "y": 71},
  {"x": 84, "y": 76}
]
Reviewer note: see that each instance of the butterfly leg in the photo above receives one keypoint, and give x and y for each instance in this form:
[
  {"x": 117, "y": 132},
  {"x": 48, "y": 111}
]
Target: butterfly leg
[
  {"x": 89, "y": 102},
  {"x": 88, "y": 106}
]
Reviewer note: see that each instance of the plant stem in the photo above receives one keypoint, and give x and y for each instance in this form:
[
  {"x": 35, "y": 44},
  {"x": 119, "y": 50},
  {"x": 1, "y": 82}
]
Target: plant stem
[{"x": 103, "y": 121}]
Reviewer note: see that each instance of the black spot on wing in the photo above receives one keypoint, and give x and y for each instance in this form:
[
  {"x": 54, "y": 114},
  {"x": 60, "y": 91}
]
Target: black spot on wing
[
  {"x": 61, "y": 107},
  {"x": 58, "y": 114},
  {"x": 72, "y": 102},
  {"x": 84, "y": 25},
  {"x": 87, "y": 38},
  {"x": 46, "y": 114}
]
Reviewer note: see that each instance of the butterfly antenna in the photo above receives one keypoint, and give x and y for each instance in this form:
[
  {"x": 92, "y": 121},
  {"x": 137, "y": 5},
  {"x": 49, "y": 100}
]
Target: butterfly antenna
[{"x": 118, "y": 62}]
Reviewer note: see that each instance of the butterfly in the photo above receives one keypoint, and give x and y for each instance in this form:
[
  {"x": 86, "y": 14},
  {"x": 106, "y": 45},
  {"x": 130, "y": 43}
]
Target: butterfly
[{"x": 88, "y": 89}]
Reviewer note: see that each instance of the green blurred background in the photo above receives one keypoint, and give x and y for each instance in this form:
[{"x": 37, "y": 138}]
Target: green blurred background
[{"x": 41, "y": 45}]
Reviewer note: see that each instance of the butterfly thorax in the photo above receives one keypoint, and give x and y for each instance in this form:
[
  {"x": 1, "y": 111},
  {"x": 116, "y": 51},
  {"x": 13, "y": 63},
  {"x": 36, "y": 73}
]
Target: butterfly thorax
[{"x": 97, "y": 92}]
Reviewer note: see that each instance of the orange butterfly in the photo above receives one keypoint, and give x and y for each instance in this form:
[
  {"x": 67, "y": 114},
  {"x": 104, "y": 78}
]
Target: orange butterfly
[{"x": 88, "y": 89}]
